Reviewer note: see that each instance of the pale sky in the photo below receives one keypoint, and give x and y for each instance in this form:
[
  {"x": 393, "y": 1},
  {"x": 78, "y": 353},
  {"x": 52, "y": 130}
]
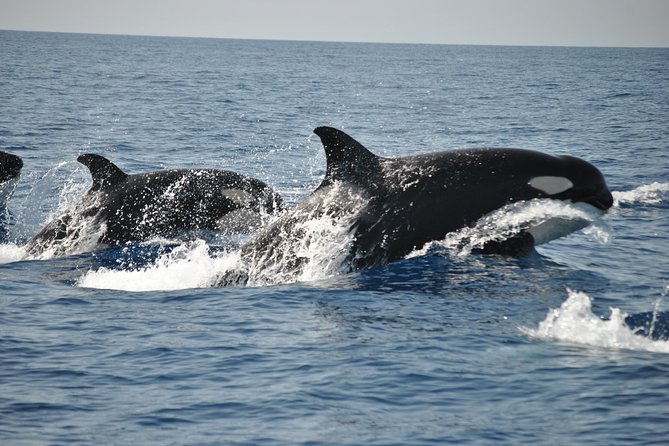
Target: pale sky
[{"x": 495, "y": 22}]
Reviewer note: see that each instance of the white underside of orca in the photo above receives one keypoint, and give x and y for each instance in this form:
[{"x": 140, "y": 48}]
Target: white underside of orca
[{"x": 558, "y": 227}]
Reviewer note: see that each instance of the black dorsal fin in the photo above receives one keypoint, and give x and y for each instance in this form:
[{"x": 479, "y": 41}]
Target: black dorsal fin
[
  {"x": 10, "y": 166},
  {"x": 105, "y": 173},
  {"x": 347, "y": 159}
]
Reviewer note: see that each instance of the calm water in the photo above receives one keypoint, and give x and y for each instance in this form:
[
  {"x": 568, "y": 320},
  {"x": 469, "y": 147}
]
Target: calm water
[{"x": 121, "y": 346}]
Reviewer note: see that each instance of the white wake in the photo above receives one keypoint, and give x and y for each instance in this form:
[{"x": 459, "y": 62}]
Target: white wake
[
  {"x": 575, "y": 323},
  {"x": 647, "y": 194}
]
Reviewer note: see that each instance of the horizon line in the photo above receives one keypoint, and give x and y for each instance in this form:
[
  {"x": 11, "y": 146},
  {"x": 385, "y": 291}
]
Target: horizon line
[{"x": 377, "y": 42}]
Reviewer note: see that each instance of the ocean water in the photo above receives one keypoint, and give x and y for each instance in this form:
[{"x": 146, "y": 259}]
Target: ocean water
[{"x": 132, "y": 344}]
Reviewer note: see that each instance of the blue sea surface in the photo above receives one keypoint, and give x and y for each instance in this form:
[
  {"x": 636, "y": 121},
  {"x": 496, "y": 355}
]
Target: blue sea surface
[{"x": 125, "y": 346}]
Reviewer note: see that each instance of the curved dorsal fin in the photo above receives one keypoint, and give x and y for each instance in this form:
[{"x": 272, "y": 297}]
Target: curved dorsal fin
[
  {"x": 105, "y": 173},
  {"x": 347, "y": 159}
]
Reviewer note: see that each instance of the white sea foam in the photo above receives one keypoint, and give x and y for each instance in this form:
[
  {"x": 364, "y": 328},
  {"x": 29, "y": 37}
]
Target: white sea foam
[
  {"x": 575, "y": 323},
  {"x": 187, "y": 266},
  {"x": 11, "y": 253},
  {"x": 647, "y": 194}
]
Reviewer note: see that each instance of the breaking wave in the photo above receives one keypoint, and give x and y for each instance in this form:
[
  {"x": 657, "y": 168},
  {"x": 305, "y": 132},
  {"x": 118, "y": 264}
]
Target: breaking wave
[{"x": 574, "y": 322}]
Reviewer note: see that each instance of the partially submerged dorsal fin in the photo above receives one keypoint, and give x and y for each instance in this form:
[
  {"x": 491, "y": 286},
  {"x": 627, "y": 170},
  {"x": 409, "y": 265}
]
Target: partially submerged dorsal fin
[
  {"x": 105, "y": 173},
  {"x": 347, "y": 159}
]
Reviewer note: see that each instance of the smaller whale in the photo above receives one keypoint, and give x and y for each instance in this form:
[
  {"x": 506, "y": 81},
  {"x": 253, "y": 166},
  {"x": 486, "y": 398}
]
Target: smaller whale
[
  {"x": 121, "y": 208},
  {"x": 387, "y": 208},
  {"x": 10, "y": 171}
]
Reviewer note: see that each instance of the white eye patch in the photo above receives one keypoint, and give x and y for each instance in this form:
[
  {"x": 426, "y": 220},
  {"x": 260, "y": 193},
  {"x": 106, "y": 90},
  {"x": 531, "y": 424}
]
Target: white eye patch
[{"x": 551, "y": 185}]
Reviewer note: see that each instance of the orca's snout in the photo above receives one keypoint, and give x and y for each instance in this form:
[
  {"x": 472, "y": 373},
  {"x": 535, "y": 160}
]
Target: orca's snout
[
  {"x": 602, "y": 200},
  {"x": 589, "y": 183}
]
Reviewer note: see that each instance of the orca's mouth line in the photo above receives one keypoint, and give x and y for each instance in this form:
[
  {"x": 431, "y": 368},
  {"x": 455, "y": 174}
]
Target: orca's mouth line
[{"x": 603, "y": 202}]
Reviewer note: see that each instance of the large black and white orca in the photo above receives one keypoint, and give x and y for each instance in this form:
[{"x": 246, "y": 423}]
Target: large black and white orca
[
  {"x": 392, "y": 207},
  {"x": 121, "y": 208},
  {"x": 10, "y": 171}
]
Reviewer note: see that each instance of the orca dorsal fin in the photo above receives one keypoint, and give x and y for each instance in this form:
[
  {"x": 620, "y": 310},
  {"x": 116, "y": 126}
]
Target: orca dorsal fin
[
  {"x": 347, "y": 159},
  {"x": 105, "y": 173}
]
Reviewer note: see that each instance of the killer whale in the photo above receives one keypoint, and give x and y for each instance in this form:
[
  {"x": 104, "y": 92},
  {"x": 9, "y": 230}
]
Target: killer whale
[
  {"x": 121, "y": 208},
  {"x": 10, "y": 172},
  {"x": 393, "y": 206}
]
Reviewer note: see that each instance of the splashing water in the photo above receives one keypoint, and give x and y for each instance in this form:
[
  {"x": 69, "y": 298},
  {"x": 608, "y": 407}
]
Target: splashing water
[
  {"x": 310, "y": 244},
  {"x": 75, "y": 231},
  {"x": 313, "y": 242},
  {"x": 74, "y": 187},
  {"x": 187, "y": 266},
  {"x": 317, "y": 244},
  {"x": 7, "y": 190},
  {"x": 562, "y": 218},
  {"x": 647, "y": 194},
  {"x": 11, "y": 252},
  {"x": 574, "y": 322},
  {"x": 42, "y": 196},
  {"x": 193, "y": 265}
]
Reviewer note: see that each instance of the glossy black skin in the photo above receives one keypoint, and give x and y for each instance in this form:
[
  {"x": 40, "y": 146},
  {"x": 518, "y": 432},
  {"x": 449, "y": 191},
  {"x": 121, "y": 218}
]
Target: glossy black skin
[
  {"x": 142, "y": 206},
  {"x": 462, "y": 186},
  {"x": 10, "y": 169},
  {"x": 413, "y": 200},
  {"x": 10, "y": 166}
]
